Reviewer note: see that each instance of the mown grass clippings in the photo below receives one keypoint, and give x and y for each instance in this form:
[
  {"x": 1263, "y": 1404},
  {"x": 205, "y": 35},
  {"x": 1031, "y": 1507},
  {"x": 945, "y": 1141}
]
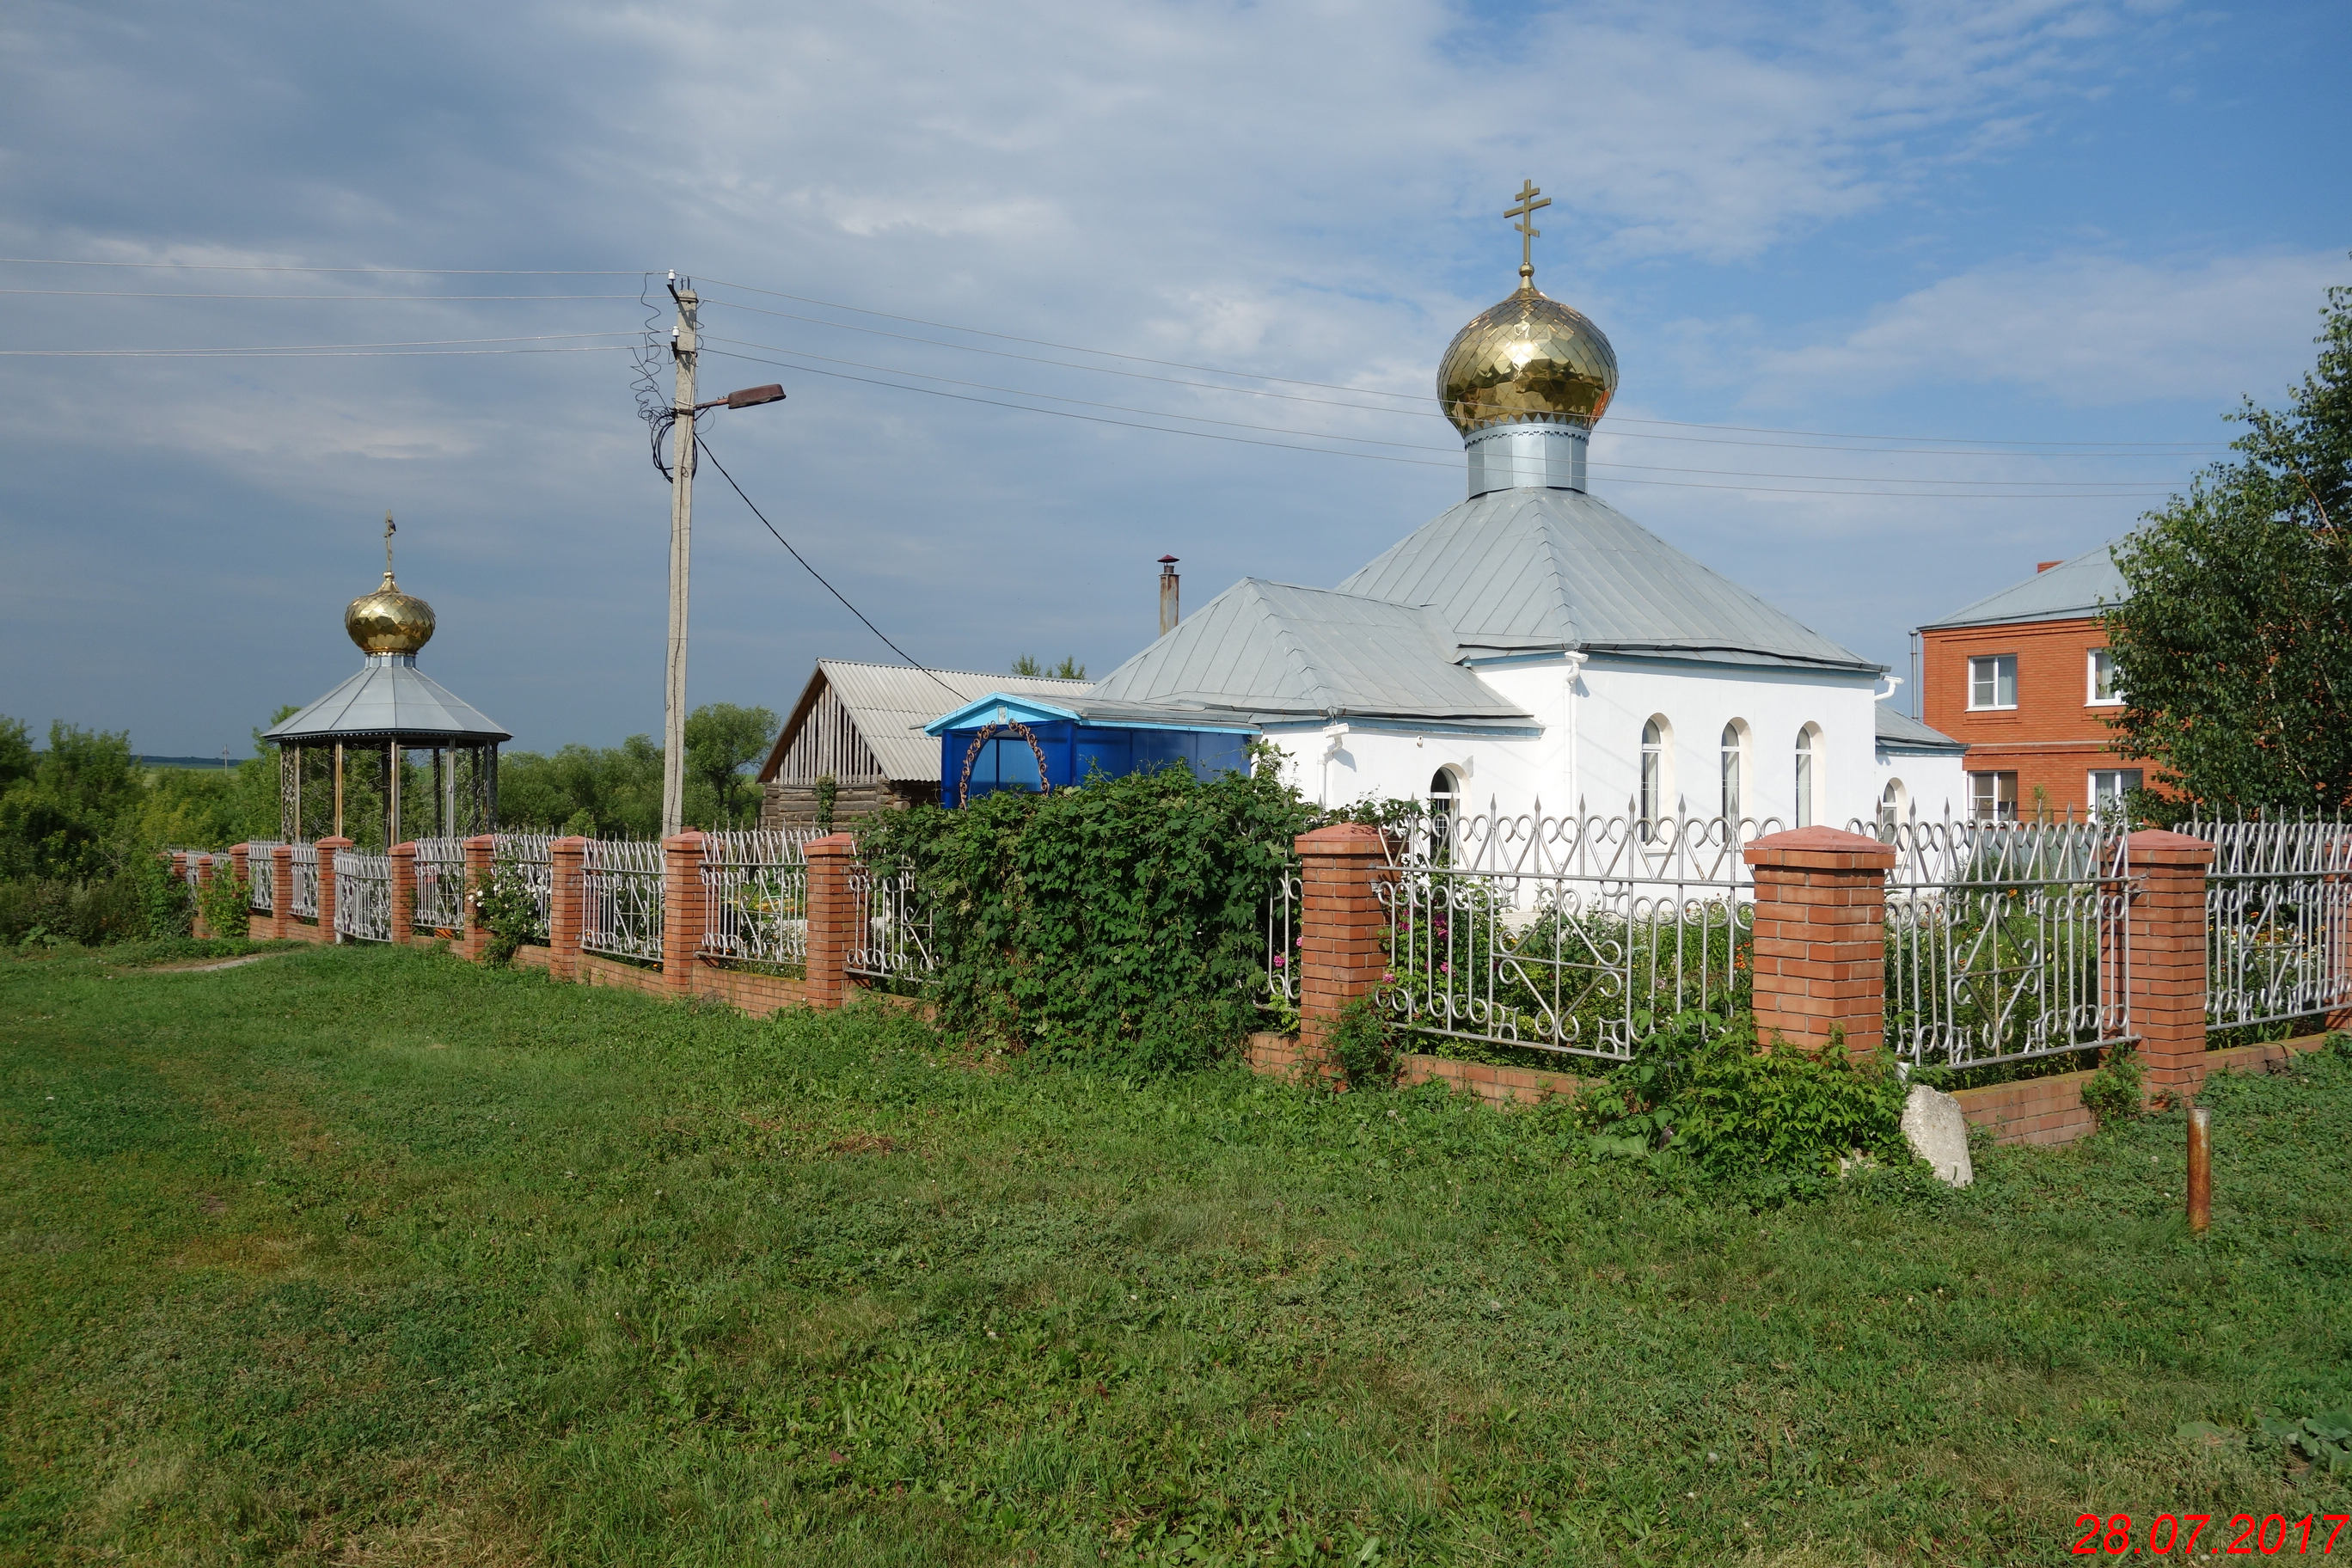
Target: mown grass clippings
[{"x": 370, "y": 1256}]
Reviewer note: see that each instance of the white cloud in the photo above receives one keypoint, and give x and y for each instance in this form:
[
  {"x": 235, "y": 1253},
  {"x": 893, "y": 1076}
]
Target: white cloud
[{"x": 2086, "y": 330}]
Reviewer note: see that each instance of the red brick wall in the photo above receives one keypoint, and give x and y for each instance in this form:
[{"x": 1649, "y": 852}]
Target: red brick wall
[{"x": 2053, "y": 738}]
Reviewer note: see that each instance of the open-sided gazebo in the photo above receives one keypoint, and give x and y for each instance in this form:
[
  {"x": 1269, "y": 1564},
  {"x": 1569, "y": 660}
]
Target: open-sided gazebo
[{"x": 391, "y": 707}]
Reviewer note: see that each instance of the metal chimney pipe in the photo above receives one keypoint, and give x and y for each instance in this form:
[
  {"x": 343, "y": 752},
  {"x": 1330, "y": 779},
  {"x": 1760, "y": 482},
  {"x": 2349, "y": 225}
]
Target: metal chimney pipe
[{"x": 1169, "y": 611}]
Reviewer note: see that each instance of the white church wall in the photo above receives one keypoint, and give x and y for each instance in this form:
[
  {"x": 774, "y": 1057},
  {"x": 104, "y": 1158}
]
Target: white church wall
[
  {"x": 1932, "y": 786},
  {"x": 1600, "y": 765},
  {"x": 1615, "y": 697}
]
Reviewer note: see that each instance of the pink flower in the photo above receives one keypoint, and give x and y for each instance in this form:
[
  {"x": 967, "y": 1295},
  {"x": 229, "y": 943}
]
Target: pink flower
[
  {"x": 1445, "y": 969},
  {"x": 1389, "y": 977},
  {"x": 1280, "y": 959}
]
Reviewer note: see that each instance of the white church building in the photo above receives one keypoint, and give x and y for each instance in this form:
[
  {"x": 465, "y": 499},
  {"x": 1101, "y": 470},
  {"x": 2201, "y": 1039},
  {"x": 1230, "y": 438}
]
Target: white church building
[{"x": 1535, "y": 646}]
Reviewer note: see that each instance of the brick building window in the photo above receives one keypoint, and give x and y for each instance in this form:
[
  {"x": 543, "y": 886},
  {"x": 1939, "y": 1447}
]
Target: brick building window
[
  {"x": 1658, "y": 784},
  {"x": 1735, "y": 770},
  {"x": 2109, "y": 786},
  {"x": 1992, "y": 680},
  {"x": 1809, "y": 775},
  {"x": 2105, "y": 688},
  {"x": 1992, "y": 797}
]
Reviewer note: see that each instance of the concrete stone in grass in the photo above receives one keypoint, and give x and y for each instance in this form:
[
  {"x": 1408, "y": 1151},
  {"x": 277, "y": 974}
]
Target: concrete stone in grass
[{"x": 1938, "y": 1133}]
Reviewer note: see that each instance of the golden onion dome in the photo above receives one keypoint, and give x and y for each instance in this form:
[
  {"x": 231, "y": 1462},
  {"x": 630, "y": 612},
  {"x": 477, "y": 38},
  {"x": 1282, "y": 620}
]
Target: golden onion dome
[
  {"x": 389, "y": 621},
  {"x": 1529, "y": 357}
]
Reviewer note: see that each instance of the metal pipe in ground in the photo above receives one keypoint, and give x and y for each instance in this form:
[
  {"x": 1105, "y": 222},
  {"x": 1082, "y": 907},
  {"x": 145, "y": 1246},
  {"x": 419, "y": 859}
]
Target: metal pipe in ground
[{"x": 2201, "y": 1168}]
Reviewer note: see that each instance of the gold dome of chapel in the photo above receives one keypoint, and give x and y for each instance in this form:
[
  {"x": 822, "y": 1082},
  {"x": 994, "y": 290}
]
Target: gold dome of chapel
[
  {"x": 1529, "y": 357},
  {"x": 389, "y": 621}
]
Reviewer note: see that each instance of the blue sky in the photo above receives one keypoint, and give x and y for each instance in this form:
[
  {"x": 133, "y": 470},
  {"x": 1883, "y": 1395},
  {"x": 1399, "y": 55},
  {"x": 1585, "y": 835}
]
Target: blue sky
[{"x": 1972, "y": 227}]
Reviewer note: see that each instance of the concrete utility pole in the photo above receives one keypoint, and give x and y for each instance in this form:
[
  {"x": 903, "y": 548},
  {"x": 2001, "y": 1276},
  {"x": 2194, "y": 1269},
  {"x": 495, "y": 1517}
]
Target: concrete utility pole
[{"x": 683, "y": 346}]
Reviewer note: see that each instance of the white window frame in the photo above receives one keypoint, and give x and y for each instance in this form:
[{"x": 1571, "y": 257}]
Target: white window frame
[
  {"x": 2091, "y": 698},
  {"x": 1995, "y": 660},
  {"x": 2137, "y": 776},
  {"x": 1811, "y": 766},
  {"x": 1655, "y": 774},
  {"x": 1996, "y": 775},
  {"x": 1732, "y": 771}
]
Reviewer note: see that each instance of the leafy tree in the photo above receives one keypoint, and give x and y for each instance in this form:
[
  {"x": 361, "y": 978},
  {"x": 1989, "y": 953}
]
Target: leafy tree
[
  {"x": 16, "y": 755},
  {"x": 2235, "y": 646},
  {"x": 1068, "y": 669},
  {"x": 65, "y": 818},
  {"x": 722, "y": 740}
]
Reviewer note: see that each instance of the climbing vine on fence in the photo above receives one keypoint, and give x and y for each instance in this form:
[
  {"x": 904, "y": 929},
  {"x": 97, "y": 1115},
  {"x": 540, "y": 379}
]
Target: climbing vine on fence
[{"x": 1124, "y": 918}]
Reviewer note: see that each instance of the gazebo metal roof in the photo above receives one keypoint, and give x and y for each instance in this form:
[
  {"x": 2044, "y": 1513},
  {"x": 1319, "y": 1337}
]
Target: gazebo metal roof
[{"x": 389, "y": 700}]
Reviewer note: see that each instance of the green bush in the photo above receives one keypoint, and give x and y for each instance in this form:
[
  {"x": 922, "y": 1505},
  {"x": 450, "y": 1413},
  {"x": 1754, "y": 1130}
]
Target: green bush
[
  {"x": 503, "y": 904},
  {"x": 1123, "y": 920},
  {"x": 227, "y": 903},
  {"x": 145, "y": 901},
  {"x": 1700, "y": 1088},
  {"x": 1366, "y": 1047},
  {"x": 2113, "y": 1094}
]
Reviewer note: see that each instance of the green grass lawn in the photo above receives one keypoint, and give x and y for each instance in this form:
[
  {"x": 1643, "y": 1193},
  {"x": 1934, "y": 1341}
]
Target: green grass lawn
[{"x": 367, "y": 1256}]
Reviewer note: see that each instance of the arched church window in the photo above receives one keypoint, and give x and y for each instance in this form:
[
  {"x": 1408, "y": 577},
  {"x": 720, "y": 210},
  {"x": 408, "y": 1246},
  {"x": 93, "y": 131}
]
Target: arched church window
[
  {"x": 1809, "y": 775},
  {"x": 1656, "y": 778},
  {"x": 1894, "y": 805},
  {"x": 1735, "y": 771},
  {"x": 1444, "y": 811}
]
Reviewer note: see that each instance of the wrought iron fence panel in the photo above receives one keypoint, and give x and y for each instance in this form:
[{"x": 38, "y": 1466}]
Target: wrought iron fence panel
[
  {"x": 1283, "y": 907},
  {"x": 305, "y": 881},
  {"x": 192, "y": 867},
  {"x": 527, "y": 856},
  {"x": 755, "y": 896},
  {"x": 440, "y": 884},
  {"x": 1573, "y": 934},
  {"x": 259, "y": 877},
  {"x": 363, "y": 895},
  {"x": 2005, "y": 941},
  {"x": 2278, "y": 918},
  {"x": 621, "y": 898},
  {"x": 893, "y": 936}
]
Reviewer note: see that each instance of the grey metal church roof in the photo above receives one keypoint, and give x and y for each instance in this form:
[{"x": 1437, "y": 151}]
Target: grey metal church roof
[
  {"x": 1529, "y": 570},
  {"x": 1265, "y": 652},
  {"x": 1900, "y": 733},
  {"x": 2069, "y": 589},
  {"x": 389, "y": 697}
]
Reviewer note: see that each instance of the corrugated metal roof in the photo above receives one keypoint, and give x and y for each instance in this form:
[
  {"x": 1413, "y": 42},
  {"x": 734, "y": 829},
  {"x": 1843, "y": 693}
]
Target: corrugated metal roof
[
  {"x": 1898, "y": 731},
  {"x": 890, "y": 703},
  {"x": 1264, "y": 652},
  {"x": 389, "y": 697},
  {"x": 2069, "y": 589},
  {"x": 1528, "y": 570}
]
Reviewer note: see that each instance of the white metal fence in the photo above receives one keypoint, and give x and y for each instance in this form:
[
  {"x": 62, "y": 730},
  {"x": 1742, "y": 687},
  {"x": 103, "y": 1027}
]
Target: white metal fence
[
  {"x": 755, "y": 896},
  {"x": 305, "y": 882},
  {"x": 621, "y": 898},
  {"x": 362, "y": 896},
  {"x": 1573, "y": 934},
  {"x": 2005, "y": 941},
  {"x": 261, "y": 875},
  {"x": 894, "y": 934},
  {"x": 440, "y": 884},
  {"x": 527, "y": 856},
  {"x": 2278, "y": 918}
]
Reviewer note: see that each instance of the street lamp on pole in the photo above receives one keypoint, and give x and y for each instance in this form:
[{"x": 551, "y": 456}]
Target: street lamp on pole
[{"x": 684, "y": 348}]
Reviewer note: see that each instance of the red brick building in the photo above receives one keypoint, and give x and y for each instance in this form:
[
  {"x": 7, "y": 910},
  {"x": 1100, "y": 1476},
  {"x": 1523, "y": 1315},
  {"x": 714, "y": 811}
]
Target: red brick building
[{"x": 2024, "y": 680}]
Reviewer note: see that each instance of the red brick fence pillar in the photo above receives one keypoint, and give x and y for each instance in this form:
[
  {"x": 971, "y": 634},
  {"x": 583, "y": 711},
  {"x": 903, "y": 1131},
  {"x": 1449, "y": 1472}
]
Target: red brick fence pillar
[
  {"x": 329, "y": 849},
  {"x": 240, "y": 866},
  {"x": 566, "y": 898},
  {"x": 404, "y": 892},
  {"x": 1342, "y": 954},
  {"x": 281, "y": 891},
  {"x": 2166, "y": 930},
  {"x": 832, "y": 918},
  {"x": 682, "y": 911},
  {"x": 481, "y": 857},
  {"x": 1821, "y": 938}
]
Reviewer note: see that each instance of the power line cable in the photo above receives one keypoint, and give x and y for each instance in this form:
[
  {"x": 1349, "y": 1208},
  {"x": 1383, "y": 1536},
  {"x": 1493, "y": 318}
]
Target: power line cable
[
  {"x": 704, "y": 448},
  {"x": 283, "y": 353},
  {"x": 2135, "y": 487},
  {"x": 257, "y": 266},
  {"x": 1427, "y": 462},
  {"x": 1289, "y": 381},
  {"x": 325, "y": 348},
  {"x": 328, "y": 299}
]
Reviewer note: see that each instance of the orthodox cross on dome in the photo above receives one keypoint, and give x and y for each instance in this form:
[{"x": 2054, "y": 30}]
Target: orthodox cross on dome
[
  {"x": 388, "y": 531},
  {"x": 1528, "y": 233}
]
